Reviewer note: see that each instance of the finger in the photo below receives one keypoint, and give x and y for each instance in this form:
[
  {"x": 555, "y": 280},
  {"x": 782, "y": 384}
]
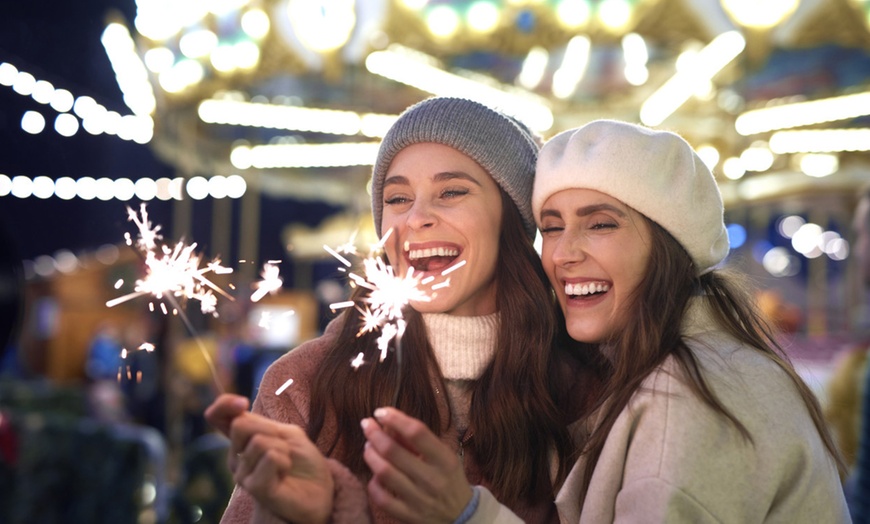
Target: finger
[
  {"x": 389, "y": 477},
  {"x": 397, "y": 455},
  {"x": 259, "y": 448},
  {"x": 384, "y": 499},
  {"x": 265, "y": 474},
  {"x": 415, "y": 435},
  {"x": 224, "y": 409},
  {"x": 246, "y": 425}
]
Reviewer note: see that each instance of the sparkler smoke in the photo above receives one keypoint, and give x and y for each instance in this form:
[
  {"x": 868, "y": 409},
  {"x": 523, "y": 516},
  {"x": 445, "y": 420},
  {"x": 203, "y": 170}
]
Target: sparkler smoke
[{"x": 389, "y": 295}]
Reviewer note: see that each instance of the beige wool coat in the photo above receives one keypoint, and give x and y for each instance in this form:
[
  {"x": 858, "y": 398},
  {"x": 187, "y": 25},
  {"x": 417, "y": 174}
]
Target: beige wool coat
[{"x": 670, "y": 459}]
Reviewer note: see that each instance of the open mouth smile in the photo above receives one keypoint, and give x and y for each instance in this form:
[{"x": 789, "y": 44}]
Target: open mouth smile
[
  {"x": 585, "y": 290},
  {"x": 431, "y": 257}
]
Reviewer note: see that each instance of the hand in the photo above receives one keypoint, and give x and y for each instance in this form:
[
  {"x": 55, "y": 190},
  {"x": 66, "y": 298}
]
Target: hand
[
  {"x": 281, "y": 468},
  {"x": 416, "y": 478},
  {"x": 224, "y": 409}
]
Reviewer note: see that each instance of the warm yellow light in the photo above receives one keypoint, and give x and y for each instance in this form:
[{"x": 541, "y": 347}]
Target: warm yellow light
[
  {"x": 322, "y": 26},
  {"x": 803, "y": 113},
  {"x": 818, "y": 165},
  {"x": 688, "y": 80},
  {"x": 415, "y": 5},
  {"x": 255, "y": 23},
  {"x": 614, "y": 14},
  {"x": 733, "y": 168},
  {"x": 573, "y": 14},
  {"x": 757, "y": 157},
  {"x": 424, "y": 72},
  {"x": 636, "y": 56},
  {"x": 443, "y": 21},
  {"x": 483, "y": 16},
  {"x": 709, "y": 155},
  {"x": 305, "y": 155},
  {"x": 569, "y": 74},
  {"x": 197, "y": 44},
  {"x": 820, "y": 141},
  {"x": 235, "y": 112},
  {"x": 159, "y": 59},
  {"x": 759, "y": 14},
  {"x": 534, "y": 67}
]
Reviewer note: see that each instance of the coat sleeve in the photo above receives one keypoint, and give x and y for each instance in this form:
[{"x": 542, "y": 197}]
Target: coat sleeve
[
  {"x": 654, "y": 500},
  {"x": 350, "y": 503},
  {"x": 491, "y": 511}
]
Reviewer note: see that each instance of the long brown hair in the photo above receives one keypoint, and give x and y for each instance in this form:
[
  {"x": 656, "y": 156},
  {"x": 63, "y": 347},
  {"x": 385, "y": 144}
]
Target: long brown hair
[
  {"x": 514, "y": 418},
  {"x": 656, "y": 311}
]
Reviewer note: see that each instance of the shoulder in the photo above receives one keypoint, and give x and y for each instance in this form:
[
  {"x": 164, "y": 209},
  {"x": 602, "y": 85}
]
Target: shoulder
[
  {"x": 289, "y": 378},
  {"x": 671, "y": 435}
]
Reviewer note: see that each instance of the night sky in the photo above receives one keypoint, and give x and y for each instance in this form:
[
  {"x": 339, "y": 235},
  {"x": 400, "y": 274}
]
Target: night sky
[{"x": 60, "y": 42}]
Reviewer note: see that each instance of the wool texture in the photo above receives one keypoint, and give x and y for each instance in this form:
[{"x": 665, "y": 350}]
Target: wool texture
[{"x": 500, "y": 144}]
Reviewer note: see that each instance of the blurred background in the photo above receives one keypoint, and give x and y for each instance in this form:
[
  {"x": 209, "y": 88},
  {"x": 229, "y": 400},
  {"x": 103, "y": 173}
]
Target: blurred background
[{"x": 226, "y": 142}]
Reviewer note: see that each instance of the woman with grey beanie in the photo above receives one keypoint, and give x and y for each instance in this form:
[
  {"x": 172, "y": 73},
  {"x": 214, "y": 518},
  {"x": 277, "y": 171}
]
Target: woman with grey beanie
[
  {"x": 703, "y": 418},
  {"x": 484, "y": 401}
]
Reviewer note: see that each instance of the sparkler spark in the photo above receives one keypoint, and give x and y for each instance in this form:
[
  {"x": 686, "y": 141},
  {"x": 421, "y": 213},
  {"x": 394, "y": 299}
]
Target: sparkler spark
[
  {"x": 172, "y": 272},
  {"x": 271, "y": 282},
  {"x": 389, "y": 293},
  {"x": 283, "y": 386},
  {"x": 145, "y": 346}
]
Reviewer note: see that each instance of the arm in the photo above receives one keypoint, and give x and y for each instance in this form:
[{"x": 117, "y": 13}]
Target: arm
[{"x": 416, "y": 478}]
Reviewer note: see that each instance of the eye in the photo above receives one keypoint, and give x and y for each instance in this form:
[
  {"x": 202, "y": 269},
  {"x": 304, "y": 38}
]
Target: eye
[
  {"x": 550, "y": 229},
  {"x": 396, "y": 200},
  {"x": 454, "y": 192},
  {"x": 603, "y": 224}
]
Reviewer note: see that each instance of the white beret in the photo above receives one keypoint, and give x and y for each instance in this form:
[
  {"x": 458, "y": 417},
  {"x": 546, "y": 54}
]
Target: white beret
[{"x": 657, "y": 173}]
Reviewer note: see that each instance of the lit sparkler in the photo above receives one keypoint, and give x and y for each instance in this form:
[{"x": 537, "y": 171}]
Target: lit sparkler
[
  {"x": 173, "y": 274},
  {"x": 389, "y": 295}
]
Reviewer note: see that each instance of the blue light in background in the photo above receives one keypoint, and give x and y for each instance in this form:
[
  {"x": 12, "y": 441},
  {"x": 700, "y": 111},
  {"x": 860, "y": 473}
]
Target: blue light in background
[{"x": 736, "y": 235}]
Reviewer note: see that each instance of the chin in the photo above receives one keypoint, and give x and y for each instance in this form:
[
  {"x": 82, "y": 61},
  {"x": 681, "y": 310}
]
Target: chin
[{"x": 584, "y": 334}]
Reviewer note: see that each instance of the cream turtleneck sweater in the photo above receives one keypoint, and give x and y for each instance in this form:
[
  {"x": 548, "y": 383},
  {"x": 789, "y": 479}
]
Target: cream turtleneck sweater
[{"x": 463, "y": 347}]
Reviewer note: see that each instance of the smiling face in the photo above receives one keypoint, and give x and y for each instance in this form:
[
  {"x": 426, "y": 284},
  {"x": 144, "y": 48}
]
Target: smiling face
[
  {"x": 443, "y": 209},
  {"x": 595, "y": 252}
]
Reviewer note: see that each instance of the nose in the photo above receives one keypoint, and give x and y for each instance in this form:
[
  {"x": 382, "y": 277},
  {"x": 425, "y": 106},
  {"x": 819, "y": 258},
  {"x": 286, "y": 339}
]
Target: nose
[
  {"x": 568, "y": 250},
  {"x": 421, "y": 215}
]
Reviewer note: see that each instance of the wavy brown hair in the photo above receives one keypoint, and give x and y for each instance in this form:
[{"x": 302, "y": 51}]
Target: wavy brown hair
[
  {"x": 514, "y": 417},
  {"x": 656, "y": 311}
]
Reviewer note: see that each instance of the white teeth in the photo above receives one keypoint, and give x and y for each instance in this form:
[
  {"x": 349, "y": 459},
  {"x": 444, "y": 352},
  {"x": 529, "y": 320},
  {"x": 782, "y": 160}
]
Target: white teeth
[
  {"x": 585, "y": 289},
  {"x": 407, "y": 245},
  {"x": 433, "y": 252}
]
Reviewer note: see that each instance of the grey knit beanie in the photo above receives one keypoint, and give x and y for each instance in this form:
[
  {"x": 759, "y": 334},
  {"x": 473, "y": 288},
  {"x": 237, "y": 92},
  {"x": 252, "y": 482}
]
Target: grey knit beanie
[{"x": 501, "y": 145}]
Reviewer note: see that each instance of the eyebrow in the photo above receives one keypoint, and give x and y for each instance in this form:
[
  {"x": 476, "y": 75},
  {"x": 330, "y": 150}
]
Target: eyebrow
[
  {"x": 585, "y": 211},
  {"x": 439, "y": 177}
]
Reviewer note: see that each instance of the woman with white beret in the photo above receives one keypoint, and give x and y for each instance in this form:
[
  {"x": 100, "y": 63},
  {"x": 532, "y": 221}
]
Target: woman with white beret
[{"x": 703, "y": 418}]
